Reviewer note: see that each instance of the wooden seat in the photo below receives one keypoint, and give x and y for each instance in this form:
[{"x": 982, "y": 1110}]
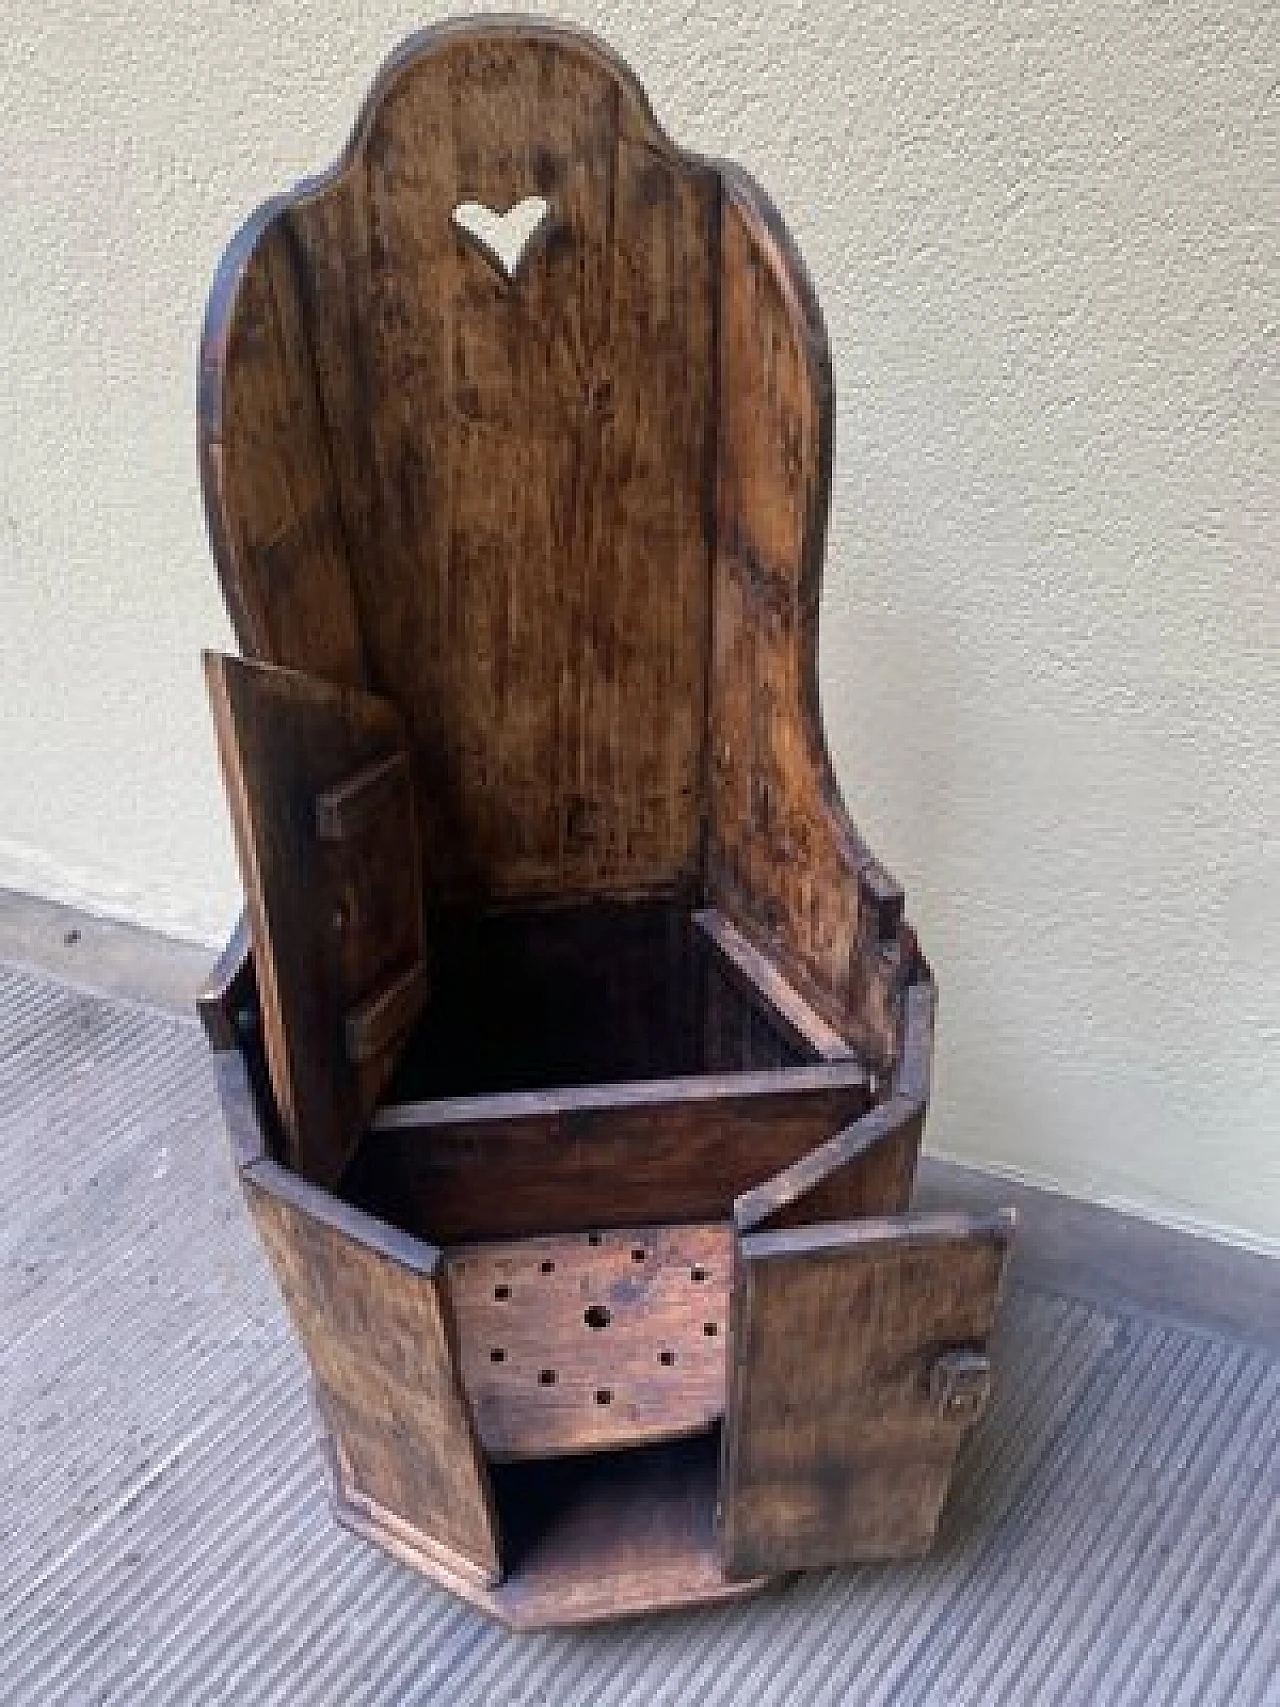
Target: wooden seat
[{"x": 516, "y": 436}]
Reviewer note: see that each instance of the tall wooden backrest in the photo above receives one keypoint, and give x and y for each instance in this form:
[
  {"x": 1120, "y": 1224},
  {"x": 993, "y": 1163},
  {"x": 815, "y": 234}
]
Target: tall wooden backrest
[
  {"x": 567, "y": 519},
  {"x": 489, "y": 498}
]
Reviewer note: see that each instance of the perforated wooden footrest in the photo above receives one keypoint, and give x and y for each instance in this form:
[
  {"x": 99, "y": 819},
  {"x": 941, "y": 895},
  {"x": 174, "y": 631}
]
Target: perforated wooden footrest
[{"x": 592, "y": 1341}]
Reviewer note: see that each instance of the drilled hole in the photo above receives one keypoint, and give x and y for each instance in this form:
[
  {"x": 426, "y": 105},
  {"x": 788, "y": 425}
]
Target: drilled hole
[
  {"x": 604, "y": 1395},
  {"x": 637, "y": 1253},
  {"x": 596, "y": 1316},
  {"x": 497, "y": 1355},
  {"x": 593, "y": 1238},
  {"x": 547, "y": 1267},
  {"x": 501, "y": 1293},
  {"x": 710, "y": 1329},
  {"x": 697, "y": 1272},
  {"x": 667, "y": 1358},
  {"x": 547, "y": 1377}
]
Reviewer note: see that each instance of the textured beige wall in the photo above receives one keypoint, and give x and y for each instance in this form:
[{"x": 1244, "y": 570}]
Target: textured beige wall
[{"x": 1046, "y": 238}]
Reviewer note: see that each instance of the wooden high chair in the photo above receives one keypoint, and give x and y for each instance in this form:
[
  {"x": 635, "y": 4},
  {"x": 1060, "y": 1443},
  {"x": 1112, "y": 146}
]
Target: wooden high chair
[{"x": 575, "y": 1051}]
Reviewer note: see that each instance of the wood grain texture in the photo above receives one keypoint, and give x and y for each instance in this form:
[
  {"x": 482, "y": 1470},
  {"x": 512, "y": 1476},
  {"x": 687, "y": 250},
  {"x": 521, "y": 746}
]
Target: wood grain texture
[
  {"x": 607, "y": 1535},
  {"x": 839, "y": 1438},
  {"x": 784, "y": 861},
  {"x": 336, "y": 926},
  {"x": 648, "y": 1154},
  {"x": 591, "y": 1342},
  {"x": 866, "y": 1170},
  {"x": 542, "y": 996},
  {"x": 756, "y": 974},
  {"x": 271, "y": 500},
  {"x": 571, "y": 523},
  {"x": 371, "y": 1307},
  {"x": 499, "y": 491}
]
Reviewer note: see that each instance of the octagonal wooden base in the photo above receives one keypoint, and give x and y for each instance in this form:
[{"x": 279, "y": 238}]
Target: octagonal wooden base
[{"x": 561, "y": 1336}]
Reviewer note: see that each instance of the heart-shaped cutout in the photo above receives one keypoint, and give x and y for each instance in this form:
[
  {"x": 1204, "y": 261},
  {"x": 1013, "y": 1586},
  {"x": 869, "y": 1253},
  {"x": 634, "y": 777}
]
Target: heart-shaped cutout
[{"x": 504, "y": 239}]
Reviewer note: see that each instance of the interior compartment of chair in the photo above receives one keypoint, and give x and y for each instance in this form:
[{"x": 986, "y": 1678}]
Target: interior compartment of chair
[
  {"x": 581, "y": 993},
  {"x": 601, "y": 1531},
  {"x": 589, "y": 1089},
  {"x": 587, "y": 1066}
]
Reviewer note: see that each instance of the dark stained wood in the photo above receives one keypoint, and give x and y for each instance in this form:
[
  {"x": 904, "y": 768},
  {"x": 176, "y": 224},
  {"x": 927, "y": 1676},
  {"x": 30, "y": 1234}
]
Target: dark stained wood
[
  {"x": 488, "y": 500},
  {"x": 336, "y": 926},
  {"x": 270, "y": 496},
  {"x": 866, "y": 1170},
  {"x": 525, "y": 559},
  {"x": 587, "y": 1342},
  {"x": 742, "y": 1031},
  {"x": 603, "y": 1536},
  {"x": 541, "y": 996},
  {"x": 376, "y": 1026},
  {"x": 357, "y": 804},
  {"x": 228, "y": 988},
  {"x": 784, "y": 863},
  {"x": 371, "y": 1307},
  {"x": 655, "y": 1153},
  {"x": 913, "y": 1072},
  {"x": 612, "y": 1534},
  {"x": 754, "y": 972},
  {"x": 842, "y": 1423}
]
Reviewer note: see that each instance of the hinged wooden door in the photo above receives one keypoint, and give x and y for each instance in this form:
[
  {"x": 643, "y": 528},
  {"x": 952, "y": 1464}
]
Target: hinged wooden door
[
  {"x": 322, "y": 802},
  {"x": 857, "y": 1363}
]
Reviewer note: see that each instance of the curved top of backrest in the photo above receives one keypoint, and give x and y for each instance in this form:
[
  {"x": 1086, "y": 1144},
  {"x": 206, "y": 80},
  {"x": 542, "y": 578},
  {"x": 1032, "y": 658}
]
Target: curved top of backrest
[{"x": 488, "y": 497}]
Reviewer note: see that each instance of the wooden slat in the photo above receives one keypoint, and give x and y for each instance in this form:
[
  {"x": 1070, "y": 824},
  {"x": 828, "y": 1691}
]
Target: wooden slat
[
  {"x": 371, "y": 1307},
  {"x": 359, "y": 801},
  {"x": 227, "y": 988},
  {"x": 578, "y": 1161},
  {"x": 381, "y": 1021},
  {"x": 840, "y": 1432},
  {"x": 868, "y": 1169},
  {"x": 587, "y": 1342},
  {"x": 270, "y": 494},
  {"x": 334, "y": 925},
  {"x": 757, "y": 973},
  {"x": 913, "y": 1075}
]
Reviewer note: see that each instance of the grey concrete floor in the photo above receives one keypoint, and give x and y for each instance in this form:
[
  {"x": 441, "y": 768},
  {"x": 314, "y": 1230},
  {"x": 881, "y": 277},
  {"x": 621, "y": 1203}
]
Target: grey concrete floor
[{"x": 1113, "y": 1536}]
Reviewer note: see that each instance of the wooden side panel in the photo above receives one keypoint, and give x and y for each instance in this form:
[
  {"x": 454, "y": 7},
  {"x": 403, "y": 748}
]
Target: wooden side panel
[
  {"x": 672, "y": 1151},
  {"x": 371, "y": 1309},
  {"x": 866, "y": 1170},
  {"x": 270, "y": 494},
  {"x": 759, "y": 979},
  {"x": 784, "y": 862},
  {"x": 741, "y": 1033},
  {"x": 336, "y": 922},
  {"x": 857, "y": 1362}
]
